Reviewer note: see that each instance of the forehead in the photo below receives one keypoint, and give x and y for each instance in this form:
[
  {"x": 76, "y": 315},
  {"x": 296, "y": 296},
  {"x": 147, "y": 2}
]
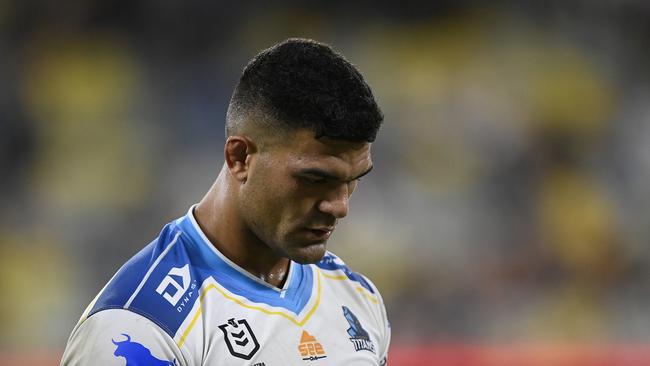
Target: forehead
[{"x": 345, "y": 157}]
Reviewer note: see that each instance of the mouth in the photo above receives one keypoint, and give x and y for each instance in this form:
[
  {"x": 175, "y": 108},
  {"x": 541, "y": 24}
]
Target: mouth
[{"x": 321, "y": 233}]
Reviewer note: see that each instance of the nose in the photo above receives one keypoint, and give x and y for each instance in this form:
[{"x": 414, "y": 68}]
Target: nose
[{"x": 337, "y": 202}]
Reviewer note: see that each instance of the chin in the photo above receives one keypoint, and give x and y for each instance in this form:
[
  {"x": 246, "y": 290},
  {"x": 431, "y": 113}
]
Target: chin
[{"x": 309, "y": 254}]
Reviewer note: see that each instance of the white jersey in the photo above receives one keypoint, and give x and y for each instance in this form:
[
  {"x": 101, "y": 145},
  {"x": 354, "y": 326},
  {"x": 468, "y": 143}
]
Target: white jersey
[{"x": 180, "y": 301}]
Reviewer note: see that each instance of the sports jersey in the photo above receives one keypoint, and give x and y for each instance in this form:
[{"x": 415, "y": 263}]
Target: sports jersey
[{"x": 179, "y": 301}]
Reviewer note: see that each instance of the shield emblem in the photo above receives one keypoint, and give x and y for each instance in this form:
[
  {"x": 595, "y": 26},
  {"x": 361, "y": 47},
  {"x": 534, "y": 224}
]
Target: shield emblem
[{"x": 239, "y": 338}]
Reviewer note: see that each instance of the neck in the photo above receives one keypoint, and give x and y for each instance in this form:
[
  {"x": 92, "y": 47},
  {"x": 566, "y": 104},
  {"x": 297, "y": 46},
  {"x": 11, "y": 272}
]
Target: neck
[{"x": 219, "y": 220}]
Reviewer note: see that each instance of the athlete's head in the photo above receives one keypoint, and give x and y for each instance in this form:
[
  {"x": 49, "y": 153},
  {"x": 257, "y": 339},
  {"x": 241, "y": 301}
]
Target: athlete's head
[{"x": 299, "y": 127}]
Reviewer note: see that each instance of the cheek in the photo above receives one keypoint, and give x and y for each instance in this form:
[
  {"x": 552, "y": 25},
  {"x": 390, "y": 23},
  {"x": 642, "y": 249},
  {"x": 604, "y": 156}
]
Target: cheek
[
  {"x": 263, "y": 199},
  {"x": 270, "y": 197},
  {"x": 293, "y": 207},
  {"x": 278, "y": 200},
  {"x": 292, "y": 204}
]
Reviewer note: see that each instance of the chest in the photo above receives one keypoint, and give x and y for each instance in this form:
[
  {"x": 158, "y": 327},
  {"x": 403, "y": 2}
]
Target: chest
[{"x": 333, "y": 329}]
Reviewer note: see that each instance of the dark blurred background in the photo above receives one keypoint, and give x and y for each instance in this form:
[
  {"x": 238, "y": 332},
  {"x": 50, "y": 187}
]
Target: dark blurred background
[{"x": 509, "y": 202}]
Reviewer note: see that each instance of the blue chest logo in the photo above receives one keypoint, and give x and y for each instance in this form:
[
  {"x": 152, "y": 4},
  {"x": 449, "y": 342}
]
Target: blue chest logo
[
  {"x": 358, "y": 336},
  {"x": 137, "y": 354}
]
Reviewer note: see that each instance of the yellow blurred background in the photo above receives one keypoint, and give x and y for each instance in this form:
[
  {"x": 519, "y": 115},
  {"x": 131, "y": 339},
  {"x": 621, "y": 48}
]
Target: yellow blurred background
[{"x": 508, "y": 204}]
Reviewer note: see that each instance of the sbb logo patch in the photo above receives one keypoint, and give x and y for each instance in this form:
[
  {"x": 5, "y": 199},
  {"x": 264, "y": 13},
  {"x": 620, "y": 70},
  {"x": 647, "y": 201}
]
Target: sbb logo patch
[{"x": 310, "y": 349}]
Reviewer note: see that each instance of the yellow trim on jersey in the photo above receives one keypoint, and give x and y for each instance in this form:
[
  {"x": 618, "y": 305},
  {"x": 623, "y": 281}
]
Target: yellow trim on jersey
[
  {"x": 364, "y": 292},
  {"x": 189, "y": 327},
  {"x": 242, "y": 304},
  {"x": 360, "y": 289},
  {"x": 341, "y": 277}
]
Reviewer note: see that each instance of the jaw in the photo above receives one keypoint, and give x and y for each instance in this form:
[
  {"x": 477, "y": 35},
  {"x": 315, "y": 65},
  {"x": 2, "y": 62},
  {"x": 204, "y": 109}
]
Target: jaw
[{"x": 307, "y": 254}]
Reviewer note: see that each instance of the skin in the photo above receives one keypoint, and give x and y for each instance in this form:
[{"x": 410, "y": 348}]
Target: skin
[{"x": 277, "y": 201}]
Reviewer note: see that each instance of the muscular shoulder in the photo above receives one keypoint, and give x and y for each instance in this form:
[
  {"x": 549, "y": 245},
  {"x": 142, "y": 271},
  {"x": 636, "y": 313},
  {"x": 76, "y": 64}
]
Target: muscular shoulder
[
  {"x": 159, "y": 283},
  {"x": 361, "y": 297},
  {"x": 113, "y": 336},
  {"x": 333, "y": 265}
]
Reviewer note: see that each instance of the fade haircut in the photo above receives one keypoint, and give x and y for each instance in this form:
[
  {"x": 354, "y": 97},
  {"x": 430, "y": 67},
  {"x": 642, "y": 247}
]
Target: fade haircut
[{"x": 304, "y": 84}]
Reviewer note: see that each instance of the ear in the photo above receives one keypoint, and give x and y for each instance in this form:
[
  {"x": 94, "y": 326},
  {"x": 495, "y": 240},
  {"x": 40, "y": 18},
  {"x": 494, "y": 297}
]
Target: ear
[{"x": 237, "y": 153}]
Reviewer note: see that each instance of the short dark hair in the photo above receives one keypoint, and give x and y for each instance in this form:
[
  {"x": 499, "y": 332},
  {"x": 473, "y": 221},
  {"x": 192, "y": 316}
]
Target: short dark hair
[{"x": 301, "y": 83}]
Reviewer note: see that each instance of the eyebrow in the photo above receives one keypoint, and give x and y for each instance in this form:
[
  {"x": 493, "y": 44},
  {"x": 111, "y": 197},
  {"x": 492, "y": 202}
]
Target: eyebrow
[{"x": 323, "y": 174}]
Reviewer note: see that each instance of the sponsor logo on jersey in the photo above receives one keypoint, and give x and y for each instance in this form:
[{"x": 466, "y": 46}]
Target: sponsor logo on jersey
[
  {"x": 239, "y": 338},
  {"x": 310, "y": 349},
  {"x": 175, "y": 284},
  {"x": 137, "y": 354},
  {"x": 358, "y": 336}
]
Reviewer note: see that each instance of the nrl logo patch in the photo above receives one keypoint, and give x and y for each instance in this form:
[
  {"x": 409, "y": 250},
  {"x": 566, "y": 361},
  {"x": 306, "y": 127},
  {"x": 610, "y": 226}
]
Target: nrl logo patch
[{"x": 239, "y": 338}]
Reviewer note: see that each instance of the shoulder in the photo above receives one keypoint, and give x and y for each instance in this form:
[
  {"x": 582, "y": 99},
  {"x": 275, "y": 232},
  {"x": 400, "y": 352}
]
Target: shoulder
[
  {"x": 361, "y": 296},
  {"x": 158, "y": 283},
  {"x": 111, "y": 335},
  {"x": 332, "y": 265}
]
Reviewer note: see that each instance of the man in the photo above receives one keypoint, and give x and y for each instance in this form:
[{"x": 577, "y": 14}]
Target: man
[{"x": 244, "y": 278}]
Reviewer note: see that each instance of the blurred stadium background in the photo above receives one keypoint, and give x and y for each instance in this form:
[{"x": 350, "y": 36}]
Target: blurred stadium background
[{"x": 507, "y": 218}]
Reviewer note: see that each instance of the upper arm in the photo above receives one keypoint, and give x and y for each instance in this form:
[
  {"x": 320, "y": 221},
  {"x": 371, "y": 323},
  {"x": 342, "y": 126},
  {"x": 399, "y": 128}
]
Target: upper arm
[
  {"x": 383, "y": 323},
  {"x": 120, "y": 337},
  {"x": 385, "y": 327}
]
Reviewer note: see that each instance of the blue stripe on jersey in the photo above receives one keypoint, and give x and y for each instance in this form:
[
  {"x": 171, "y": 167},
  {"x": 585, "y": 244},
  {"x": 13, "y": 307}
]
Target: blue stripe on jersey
[
  {"x": 202, "y": 262},
  {"x": 124, "y": 283},
  {"x": 148, "y": 302},
  {"x": 332, "y": 262},
  {"x": 296, "y": 296}
]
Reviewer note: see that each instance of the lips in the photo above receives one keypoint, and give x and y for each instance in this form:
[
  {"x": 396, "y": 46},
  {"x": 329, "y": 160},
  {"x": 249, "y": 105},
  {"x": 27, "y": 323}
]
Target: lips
[
  {"x": 321, "y": 233},
  {"x": 323, "y": 228}
]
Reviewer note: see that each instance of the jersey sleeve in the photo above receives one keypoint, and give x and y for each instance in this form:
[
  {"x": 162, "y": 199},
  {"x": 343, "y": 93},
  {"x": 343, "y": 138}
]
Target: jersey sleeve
[
  {"x": 384, "y": 325},
  {"x": 120, "y": 337}
]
